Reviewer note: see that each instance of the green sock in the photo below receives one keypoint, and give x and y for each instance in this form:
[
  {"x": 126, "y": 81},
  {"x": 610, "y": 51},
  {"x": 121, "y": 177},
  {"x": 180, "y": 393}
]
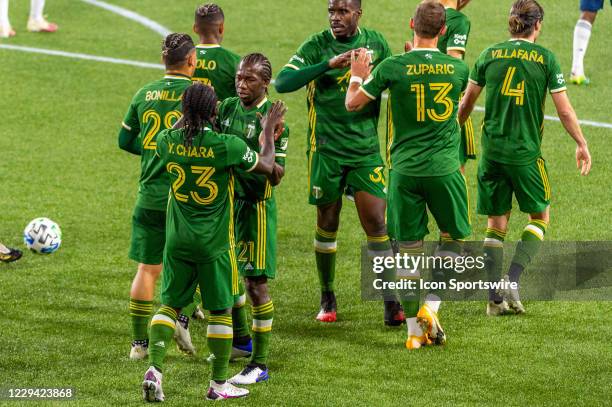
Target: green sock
[
  {"x": 239, "y": 314},
  {"x": 410, "y": 298},
  {"x": 527, "y": 248},
  {"x": 140, "y": 312},
  {"x": 381, "y": 247},
  {"x": 447, "y": 247},
  {"x": 219, "y": 339},
  {"x": 262, "y": 330},
  {"x": 494, "y": 258},
  {"x": 190, "y": 309},
  {"x": 325, "y": 253},
  {"x": 162, "y": 330}
]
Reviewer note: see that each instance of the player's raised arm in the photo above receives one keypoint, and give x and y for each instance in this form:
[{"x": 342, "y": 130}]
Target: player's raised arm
[
  {"x": 356, "y": 99},
  {"x": 292, "y": 78},
  {"x": 466, "y": 106},
  {"x": 568, "y": 117},
  {"x": 269, "y": 122}
]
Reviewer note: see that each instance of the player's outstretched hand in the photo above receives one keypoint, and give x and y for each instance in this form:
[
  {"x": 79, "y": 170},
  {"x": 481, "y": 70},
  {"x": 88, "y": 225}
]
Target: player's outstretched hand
[
  {"x": 341, "y": 61},
  {"x": 360, "y": 63},
  {"x": 583, "y": 159},
  {"x": 275, "y": 116}
]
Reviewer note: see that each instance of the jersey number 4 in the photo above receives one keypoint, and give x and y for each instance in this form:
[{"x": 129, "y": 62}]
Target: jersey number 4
[
  {"x": 203, "y": 182},
  {"x": 155, "y": 120},
  {"x": 440, "y": 98},
  {"x": 518, "y": 92}
]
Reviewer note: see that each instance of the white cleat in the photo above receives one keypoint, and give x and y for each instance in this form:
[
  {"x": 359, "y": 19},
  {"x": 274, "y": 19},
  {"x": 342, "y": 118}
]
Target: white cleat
[
  {"x": 152, "y": 386},
  {"x": 41, "y": 25},
  {"x": 250, "y": 375},
  {"x": 6, "y": 31},
  {"x": 183, "y": 339},
  {"x": 511, "y": 296},
  {"x": 199, "y": 314},
  {"x": 218, "y": 392},
  {"x": 495, "y": 310},
  {"x": 139, "y": 352}
]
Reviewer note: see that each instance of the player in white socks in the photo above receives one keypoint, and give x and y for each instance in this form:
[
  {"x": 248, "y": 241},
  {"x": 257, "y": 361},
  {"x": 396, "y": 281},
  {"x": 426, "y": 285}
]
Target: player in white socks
[
  {"x": 582, "y": 33},
  {"x": 36, "y": 22}
]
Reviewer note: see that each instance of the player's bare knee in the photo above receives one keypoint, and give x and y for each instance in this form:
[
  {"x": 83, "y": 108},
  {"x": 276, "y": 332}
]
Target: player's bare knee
[
  {"x": 221, "y": 311},
  {"x": 499, "y": 222},
  {"x": 257, "y": 289},
  {"x": 328, "y": 216},
  {"x": 588, "y": 16},
  {"x": 150, "y": 270}
]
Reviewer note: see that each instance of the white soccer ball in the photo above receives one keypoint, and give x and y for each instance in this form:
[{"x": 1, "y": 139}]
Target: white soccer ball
[{"x": 42, "y": 236}]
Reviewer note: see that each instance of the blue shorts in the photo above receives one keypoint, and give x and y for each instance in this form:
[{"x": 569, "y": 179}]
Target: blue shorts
[{"x": 592, "y": 5}]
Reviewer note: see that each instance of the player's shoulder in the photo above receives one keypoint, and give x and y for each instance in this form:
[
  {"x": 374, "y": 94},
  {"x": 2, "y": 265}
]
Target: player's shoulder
[
  {"x": 373, "y": 35},
  {"x": 456, "y": 16},
  {"x": 141, "y": 93},
  {"x": 319, "y": 39},
  {"x": 229, "y": 102}
]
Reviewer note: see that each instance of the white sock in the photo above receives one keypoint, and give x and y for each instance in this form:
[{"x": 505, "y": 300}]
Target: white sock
[
  {"x": 414, "y": 329},
  {"x": 36, "y": 9},
  {"x": 433, "y": 302},
  {"x": 582, "y": 33},
  {"x": 4, "y": 20}
]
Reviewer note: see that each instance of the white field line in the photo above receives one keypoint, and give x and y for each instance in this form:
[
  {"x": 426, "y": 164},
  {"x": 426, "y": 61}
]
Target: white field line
[
  {"x": 147, "y": 22},
  {"x": 81, "y": 56},
  {"x": 149, "y": 65}
]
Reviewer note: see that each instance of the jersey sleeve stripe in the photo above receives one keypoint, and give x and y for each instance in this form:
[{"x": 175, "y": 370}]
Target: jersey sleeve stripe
[
  {"x": 254, "y": 165},
  {"x": 365, "y": 92},
  {"x": 292, "y": 67},
  {"x": 473, "y": 81},
  {"x": 563, "y": 89},
  {"x": 125, "y": 126},
  {"x": 456, "y": 49},
  {"x": 281, "y": 155}
]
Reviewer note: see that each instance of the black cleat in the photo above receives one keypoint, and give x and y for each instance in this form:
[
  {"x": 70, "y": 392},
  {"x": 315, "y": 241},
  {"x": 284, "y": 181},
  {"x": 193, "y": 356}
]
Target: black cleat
[
  {"x": 12, "y": 255},
  {"x": 394, "y": 314},
  {"x": 328, "y": 307}
]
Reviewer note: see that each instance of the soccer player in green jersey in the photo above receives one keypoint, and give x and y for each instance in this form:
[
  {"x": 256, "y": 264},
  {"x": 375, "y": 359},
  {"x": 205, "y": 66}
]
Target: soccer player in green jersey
[
  {"x": 516, "y": 74},
  {"x": 216, "y": 66},
  {"x": 424, "y": 90},
  {"x": 343, "y": 151},
  {"x": 200, "y": 248},
  {"x": 454, "y": 42},
  {"x": 254, "y": 212},
  {"x": 155, "y": 107}
]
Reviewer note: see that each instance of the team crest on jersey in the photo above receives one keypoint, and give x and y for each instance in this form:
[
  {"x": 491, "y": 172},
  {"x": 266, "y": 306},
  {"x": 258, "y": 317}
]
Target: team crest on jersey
[
  {"x": 317, "y": 192},
  {"x": 226, "y": 123},
  {"x": 251, "y": 131}
]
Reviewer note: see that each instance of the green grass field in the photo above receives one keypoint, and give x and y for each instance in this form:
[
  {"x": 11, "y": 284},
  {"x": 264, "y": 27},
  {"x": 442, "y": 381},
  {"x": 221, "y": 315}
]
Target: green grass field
[{"x": 65, "y": 319}]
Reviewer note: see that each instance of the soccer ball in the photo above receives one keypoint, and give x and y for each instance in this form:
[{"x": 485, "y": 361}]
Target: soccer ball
[{"x": 42, "y": 236}]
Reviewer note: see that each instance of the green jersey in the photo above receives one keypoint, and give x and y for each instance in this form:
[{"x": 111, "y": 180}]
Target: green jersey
[
  {"x": 425, "y": 86},
  {"x": 351, "y": 137},
  {"x": 216, "y": 67},
  {"x": 516, "y": 75},
  {"x": 235, "y": 119},
  {"x": 199, "y": 221},
  {"x": 457, "y": 32},
  {"x": 155, "y": 107}
]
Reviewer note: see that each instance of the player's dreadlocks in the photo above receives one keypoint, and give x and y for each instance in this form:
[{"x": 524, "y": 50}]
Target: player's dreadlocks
[
  {"x": 260, "y": 60},
  {"x": 176, "y": 48},
  {"x": 523, "y": 17},
  {"x": 208, "y": 14},
  {"x": 199, "y": 108}
]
